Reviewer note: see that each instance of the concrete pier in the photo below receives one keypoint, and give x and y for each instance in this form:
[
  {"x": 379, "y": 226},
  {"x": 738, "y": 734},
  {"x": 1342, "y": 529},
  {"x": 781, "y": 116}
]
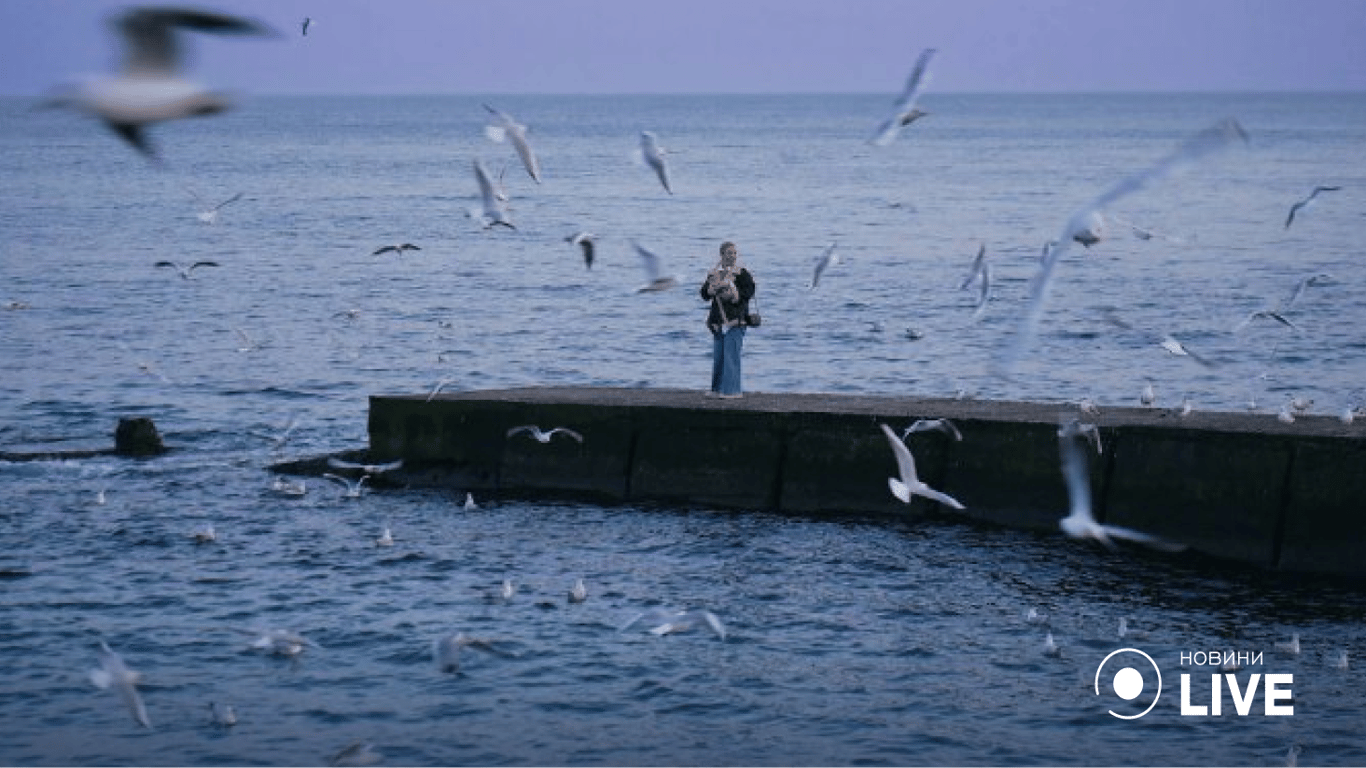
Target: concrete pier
[{"x": 1237, "y": 486}]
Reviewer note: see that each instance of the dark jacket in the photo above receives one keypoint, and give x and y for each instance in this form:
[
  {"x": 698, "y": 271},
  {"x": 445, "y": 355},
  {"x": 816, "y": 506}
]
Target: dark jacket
[{"x": 744, "y": 284}]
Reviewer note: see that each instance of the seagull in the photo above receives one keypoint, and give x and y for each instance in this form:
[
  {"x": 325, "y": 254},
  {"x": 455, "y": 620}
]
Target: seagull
[
  {"x": 446, "y": 650},
  {"x": 655, "y": 278},
  {"x": 1051, "y": 648},
  {"x": 353, "y": 489},
  {"x": 440, "y": 385},
  {"x": 1294, "y": 209},
  {"x": 204, "y": 535},
  {"x": 507, "y": 128},
  {"x": 149, "y": 88},
  {"x": 666, "y": 621},
  {"x": 277, "y": 441},
  {"x": 224, "y": 716},
  {"x": 184, "y": 270},
  {"x": 906, "y": 110},
  {"x": 356, "y": 753},
  {"x": 303, "y": 26},
  {"x": 653, "y": 155},
  {"x": 1080, "y": 523},
  {"x": 369, "y": 469},
  {"x": 248, "y": 343},
  {"x": 578, "y": 593},
  {"x": 505, "y": 592},
  {"x": 281, "y": 642},
  {"x": 909, "y": 484},
  {"x": 386, "y": 539},
  {"x": 113, "y": 673},
  {"x": 584, "y": 240},
  {"x": 1083, "y": 220},
  {"x": 925, "y": 425},
  {"x": 209, "y": 213},
  {"x": 469, "y": 502},
  {"x": 1148, "y": 396},
  {"x": 289, "y": 487},
  {"x": 544, "y": 437},
  {"x": 1166, "y": 341},
  {"x": 1033, "y": 616},
  {"x": 399, "y": 249},
  {"x": 1339, "y": 659},
  {"x": 827, "y": 258},
  {"x": 494, "y": 211},
  {"x": 1292, "y": 647},
  {"x": 1277, "y": 312},
  {"x": 980, "y": 274}
]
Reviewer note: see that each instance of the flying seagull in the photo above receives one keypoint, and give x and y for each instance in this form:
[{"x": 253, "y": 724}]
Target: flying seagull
[
  {"x": 209, "y": 213},
  {"x": 369, "y": 469},
  {"x": 909, "y": 483},
  {"x": 1277, "y": 312},
  {"x": 303, "y": 26},
  {"x": 149, "y": 87},
  {"x": 399, "y": 249},
  {"x": 667, "y": 621},
  {"x": 926, "y": 425},
  {"x": 354, "y": 489},
  {"x": 584, "y": 240},
  {"x": 653, "y": 155},
  {"x": 113, "y": 673},
  {"x": 1294, "y": 209},
  {"x": 505, "y": 128},
  {"x": 906, "y": 110},
  {"x": 494, "y": 211},
  {"x": 184, "y": 270},
  {"x": 446, "y": 650},
  {"x": 827, "y": 258},
  {"x": 655, "y": 279},
  {"x": 1080, "y": 523},
  {"x": 980, "y": 274},
  {"x": 544, "y": 436},
  {"x": 1084, "y": 221},
  {"x": 1166, "y": 340}
]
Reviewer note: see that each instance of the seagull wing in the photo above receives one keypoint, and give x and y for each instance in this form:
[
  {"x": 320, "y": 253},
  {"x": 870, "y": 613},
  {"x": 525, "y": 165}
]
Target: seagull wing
[
  {"x": 1075, "y": 474},
  {"x": 905, "y": 466},
  {"x": 229, "y": 201},
  {"x": 650, "y": 261},
  {"x": 151, "y": 38},
  {"x": 567, "y": 431},
  {"x": 1156, "y": 542},
  {"x": 905, "y": 106}
]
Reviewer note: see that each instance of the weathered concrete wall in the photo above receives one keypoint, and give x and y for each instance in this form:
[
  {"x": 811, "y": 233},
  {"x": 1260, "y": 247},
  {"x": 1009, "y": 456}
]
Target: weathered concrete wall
[{"x": 1239, "y": 486}]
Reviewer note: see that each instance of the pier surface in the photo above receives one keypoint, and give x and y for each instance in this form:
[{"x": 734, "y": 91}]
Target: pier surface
[{"x": 1239, "y": 486}]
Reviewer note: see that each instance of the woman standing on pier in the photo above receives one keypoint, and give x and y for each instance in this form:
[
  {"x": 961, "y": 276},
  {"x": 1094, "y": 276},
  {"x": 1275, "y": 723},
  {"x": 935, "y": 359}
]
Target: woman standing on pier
[{"x": 728, "y": 287}]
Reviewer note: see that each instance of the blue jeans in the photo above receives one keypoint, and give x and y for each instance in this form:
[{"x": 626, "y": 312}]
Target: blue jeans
[{"x": 725, "y": 360}]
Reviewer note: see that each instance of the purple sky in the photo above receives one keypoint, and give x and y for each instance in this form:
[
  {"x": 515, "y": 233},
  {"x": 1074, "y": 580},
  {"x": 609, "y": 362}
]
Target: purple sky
[{"x": 711, "y": 46}]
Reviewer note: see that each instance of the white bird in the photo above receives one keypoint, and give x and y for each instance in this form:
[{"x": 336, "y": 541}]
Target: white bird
[
  {"x": 469, "y": 502},
  {"x": 1033, "y": 616},
  {"x": 354, "y": 488},
  {"x": 1184, "y": 410},
  {"x": 653, "y": 155},
  {"x": 149, "y": 88},
  {"x": 909, "y": 483},
  {"x": 505, "y": 128},
  {"x": 926, "y": 425},
  {"x": 578, "y": 593},
  {"x": 1080, "y": 523},
  {"x": 209, "y": 213},
  {"x": 369, "y": 469},
  {"x": 1051, "y": 648},
  {"x": 248, "y": 343},
  {"x": 184, "y": 270},
  {"x": 1165, "y": 340},
  {"x": 1148, "y": 396},
  {"x": 1084, "y": 219},
  {"x": 1300, "y": 205},
  {"x": 289, "y": 487},
  {"x": 1292, "y": 647},
  {"x": 1277, "y": 312},
  {"x": 827, "y": 259},
  {"x": 544, "y": 436},
  {"x": 655, "y": 279},
  {"x": 357, "y": 753},
  {"x": 204, "y": 535},
  {"x": 666, "y": 621},
  {"x": 1286, "y": 415},
  {"x": 506, "y": 590},
  {"x": 584, "y": 240},
  {"x": 493, "y": 211},
  {"x": 398, "y": 248},
  {"x": 1339, "y": 659},
  {"x": 113, "y": 673},
  {"x": 281, "y": 642},
  {"x": 101, "y": 497},
  {"x": 980, "y": 274},
  {"x": 386, "y": 538},
  {"x": 224, "y": 716},
  {"x": 446, "y": 650},
  {"x": 906, "y": 110}
]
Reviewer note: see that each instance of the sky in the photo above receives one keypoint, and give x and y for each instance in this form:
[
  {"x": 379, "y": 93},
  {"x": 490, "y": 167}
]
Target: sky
[{"x": 725, "y": 46}]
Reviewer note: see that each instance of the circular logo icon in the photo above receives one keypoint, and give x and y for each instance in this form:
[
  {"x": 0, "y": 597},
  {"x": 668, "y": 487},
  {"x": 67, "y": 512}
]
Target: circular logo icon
[{"x": 1124, "y": 677}]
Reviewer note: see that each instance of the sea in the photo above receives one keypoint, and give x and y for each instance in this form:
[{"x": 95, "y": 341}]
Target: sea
[{"x": 847, "y": 640}]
